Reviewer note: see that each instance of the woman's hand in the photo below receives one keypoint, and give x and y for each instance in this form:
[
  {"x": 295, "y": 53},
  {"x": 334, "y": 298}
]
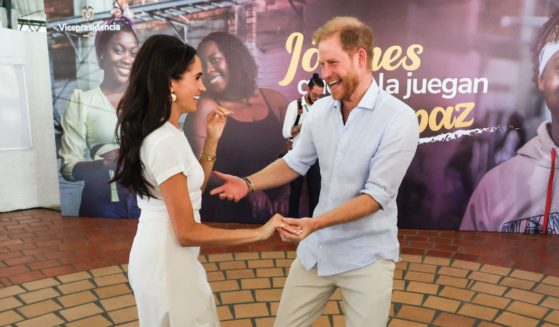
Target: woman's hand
[
  {"x": 216, "y": 122},
  {"x": 295, "y": 230},
  {"x": 277, "y": 223},
  {"x": 268, "y": 229}
]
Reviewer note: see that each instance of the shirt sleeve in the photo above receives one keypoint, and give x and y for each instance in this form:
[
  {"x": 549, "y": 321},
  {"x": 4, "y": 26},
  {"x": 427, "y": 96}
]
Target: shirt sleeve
[
  {"x": 166, "y": 158},
  {"x": 290, "y": 116},
  {"x": 390, "y": 162},
  {"x": 73, "y": 140}
]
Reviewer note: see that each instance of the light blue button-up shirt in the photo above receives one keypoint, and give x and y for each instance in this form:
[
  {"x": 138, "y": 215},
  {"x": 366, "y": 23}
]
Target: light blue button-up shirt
[{"x": 369, "y": 154}]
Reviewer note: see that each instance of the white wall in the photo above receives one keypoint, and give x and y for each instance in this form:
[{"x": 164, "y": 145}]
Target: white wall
[{"x": 28, "y": 178}]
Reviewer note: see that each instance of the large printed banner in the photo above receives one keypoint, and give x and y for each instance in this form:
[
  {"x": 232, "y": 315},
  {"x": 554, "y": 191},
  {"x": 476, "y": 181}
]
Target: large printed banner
[{"x": 465, "y": 66}]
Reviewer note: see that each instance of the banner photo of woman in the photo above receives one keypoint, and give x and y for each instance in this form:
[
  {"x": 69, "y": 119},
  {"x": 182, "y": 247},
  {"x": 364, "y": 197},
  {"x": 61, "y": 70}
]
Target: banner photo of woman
[{"x": 464, "y": 66}]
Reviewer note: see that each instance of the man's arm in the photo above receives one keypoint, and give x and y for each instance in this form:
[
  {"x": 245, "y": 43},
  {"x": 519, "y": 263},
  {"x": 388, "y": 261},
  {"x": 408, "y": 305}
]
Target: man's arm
[
  {"x": 387, "y": 168},
  {"x": 275, "y": 174},
  {"x": 235, "y": 188}
]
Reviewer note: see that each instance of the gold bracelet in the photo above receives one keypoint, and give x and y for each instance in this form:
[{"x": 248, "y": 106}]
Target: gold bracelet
[
  {"x": 248, "y": 183},
  {"x": 208, "y": 157}
]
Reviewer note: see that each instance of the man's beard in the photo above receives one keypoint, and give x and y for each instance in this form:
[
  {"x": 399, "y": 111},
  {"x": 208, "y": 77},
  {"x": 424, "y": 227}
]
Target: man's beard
[
  {"x": 309, "y": 99},
  {"x": 349, "y": 85}
]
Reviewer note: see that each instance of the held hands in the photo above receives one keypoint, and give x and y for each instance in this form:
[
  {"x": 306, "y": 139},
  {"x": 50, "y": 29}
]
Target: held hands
[
  {"x": 295, "y": 230},
  {"x": 290, "y": 230},
  {"x": 268, "y": 229},
  {"x": 277, "y": 223},
  {"x": 233, "y": 188},
  {"x": 295, "y": 130},
  {"x": 216, "y": 122}
]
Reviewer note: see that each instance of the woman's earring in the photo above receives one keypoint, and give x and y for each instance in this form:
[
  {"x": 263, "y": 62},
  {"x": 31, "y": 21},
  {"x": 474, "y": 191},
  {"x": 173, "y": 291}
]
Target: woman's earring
[{"x": 173, "y": 97}]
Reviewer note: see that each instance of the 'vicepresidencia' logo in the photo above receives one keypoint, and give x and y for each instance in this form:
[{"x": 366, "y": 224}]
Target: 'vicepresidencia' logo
[
  {"x": 87, "y": 13},
  {"x": 88, "y": 28}
]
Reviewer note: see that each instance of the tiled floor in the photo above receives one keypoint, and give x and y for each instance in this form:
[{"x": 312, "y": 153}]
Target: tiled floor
[{"x": 72, "y": 271}]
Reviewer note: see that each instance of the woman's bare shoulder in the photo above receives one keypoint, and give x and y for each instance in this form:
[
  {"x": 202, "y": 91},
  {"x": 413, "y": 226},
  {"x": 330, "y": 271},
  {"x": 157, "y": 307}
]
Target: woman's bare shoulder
[
  {"x": 278, "y": 102},
  {"x": 206, "y": 104},
  {"x": 196, "y": 121},
  {"x": 274, "y": 95}
]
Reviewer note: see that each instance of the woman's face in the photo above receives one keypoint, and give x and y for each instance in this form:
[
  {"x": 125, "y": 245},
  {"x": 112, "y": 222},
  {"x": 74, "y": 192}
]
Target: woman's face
[
  {"x": 216, "y": 72},
  {"x": 189, "y": 87},
  {"x": 548, "y": 83},
  {"x": 116, "y": 61}
]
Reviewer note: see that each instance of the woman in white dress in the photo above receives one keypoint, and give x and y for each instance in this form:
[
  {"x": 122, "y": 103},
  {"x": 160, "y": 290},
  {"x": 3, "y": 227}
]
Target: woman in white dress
[{"x": 157, "y": 163}]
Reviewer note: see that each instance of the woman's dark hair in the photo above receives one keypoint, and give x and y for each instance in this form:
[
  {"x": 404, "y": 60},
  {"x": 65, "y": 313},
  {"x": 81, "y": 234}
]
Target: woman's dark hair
[
  {"x": 102, "y": 38},
  {"x": 146, "y": 104},
  {"x": 242, "y": 66},
  {"x": 548, "y": 33},
  {"x": 315, "y": 80}
]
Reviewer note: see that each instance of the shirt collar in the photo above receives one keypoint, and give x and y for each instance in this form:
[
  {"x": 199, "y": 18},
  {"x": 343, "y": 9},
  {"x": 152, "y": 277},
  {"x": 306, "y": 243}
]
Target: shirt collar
[{"x": 369, "y": 99}]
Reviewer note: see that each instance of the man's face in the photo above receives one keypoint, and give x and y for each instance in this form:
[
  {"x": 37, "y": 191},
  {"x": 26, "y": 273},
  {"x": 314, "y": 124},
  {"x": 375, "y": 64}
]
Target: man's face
[
  {"x": 314, "y": 93},
  {"x": 548, "y": 83},
  {"x": 339, "y": 69}
]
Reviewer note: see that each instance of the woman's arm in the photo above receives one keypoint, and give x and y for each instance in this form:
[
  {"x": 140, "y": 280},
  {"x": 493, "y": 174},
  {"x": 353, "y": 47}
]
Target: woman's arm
[
  {"x": 195, "y": 126},
  {"x": 196, "y": 131},
  {"x": 216, "y": 120},
  {"x": 190, "y": 233},
  {"x": 74, "y": 144}
]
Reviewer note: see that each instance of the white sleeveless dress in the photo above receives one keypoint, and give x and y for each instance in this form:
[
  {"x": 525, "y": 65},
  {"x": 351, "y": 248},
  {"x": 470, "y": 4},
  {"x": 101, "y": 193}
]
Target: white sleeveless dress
[{"x": 169, "y": 283}]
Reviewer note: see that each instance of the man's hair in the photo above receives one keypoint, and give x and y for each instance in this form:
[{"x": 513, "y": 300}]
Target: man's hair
[
  {"x": 548, "y": 33},
  {"x": 353, "y": 35},
  {"x": 315, "y": 80}
]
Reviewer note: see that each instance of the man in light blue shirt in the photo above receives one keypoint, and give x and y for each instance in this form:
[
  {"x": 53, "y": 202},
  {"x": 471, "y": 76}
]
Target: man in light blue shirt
[{"x": 365, "y": 140}]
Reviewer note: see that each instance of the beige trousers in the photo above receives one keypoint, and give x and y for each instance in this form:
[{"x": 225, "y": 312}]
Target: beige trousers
[{"x": 366, "y": 294}]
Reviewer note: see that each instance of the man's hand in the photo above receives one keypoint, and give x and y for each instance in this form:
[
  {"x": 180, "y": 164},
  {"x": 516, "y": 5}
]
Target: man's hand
[
  {"x": 233, "y": 188},
  {"x": 288, "y": 233},
  {"x": 295, "y": 230},
  {"x": 295, "y": 130}
]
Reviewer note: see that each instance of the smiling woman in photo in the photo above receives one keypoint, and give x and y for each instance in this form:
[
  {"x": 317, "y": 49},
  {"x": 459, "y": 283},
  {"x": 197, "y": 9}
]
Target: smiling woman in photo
[
  {"x": 253, "y": 137},
  {"x": 88, "y": 145}
]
